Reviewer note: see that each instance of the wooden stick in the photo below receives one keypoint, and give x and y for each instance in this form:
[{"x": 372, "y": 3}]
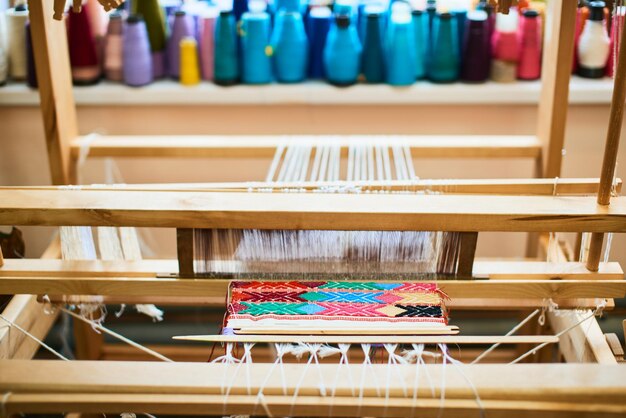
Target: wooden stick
[
  {"x": 373, "y": 339},
  {"x": 610, "y": 149},
  {"x": 458, "y": 304},
  {"x": 1, "y": 258}
]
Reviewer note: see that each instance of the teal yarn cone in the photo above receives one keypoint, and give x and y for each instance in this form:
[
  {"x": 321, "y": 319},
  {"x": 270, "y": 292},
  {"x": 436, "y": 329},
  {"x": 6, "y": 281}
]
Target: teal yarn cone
[
  {"x": 226, "y": 59},
  {"x": 421, "y": 40},
  {"x": 255, "y": 37},
  {"x": 444, "y": 58},
  {"x": 373, "y": 56},
  {"x": 342, "y": 53},
  {"x": 289, "y": 47},
  {"x": 400, "y": 49}
]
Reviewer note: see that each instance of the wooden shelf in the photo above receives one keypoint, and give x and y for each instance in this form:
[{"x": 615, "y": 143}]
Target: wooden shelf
[{"x": 582, "y": 91}]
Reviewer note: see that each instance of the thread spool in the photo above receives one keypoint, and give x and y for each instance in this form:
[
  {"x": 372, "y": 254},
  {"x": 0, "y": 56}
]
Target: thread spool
[
  {"x": 154, "y": 17},
  {"x": 373, "y": 58},
  {"x": 82, "y": 48},
  {"x": 97, "y": 18},
  {"x": 113, "y": 49},
  {"x": 505, "y": 48},
  {"x": 529, "y": 66},
  {"x": 189, "y": 70},
  {"x": 476, "y": 60},
  {"x": 318, "y": 26},
  {"x": 226, "y": 70},
  {"x": 594, "y": 43},
  {"x": 289, "y": 47},
  {"x": 206, "y": 45},
  {"x": 342, "y": 53},
  {"x": 31, "y": 76},
  {"x": 181, "y": 28},
  {"x": 400, "y": 51},
  {"x": 422, "y": 38},
  {"x": 136, "y": 56},
  {"x": 444, "y": 61},
  {"x": 16, "y": 21},
  {"x": 255, "y": 36}
]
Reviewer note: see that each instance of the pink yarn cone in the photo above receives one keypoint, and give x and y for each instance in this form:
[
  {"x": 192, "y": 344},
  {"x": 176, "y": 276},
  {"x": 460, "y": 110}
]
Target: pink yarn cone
[{"x": 206, "y": 44}]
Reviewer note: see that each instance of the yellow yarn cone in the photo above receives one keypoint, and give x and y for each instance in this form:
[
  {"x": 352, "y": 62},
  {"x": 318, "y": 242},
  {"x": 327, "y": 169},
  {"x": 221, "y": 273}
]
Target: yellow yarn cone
[{"x": 189, "y": 70}]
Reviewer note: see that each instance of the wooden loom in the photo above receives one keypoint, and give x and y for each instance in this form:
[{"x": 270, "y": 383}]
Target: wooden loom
[{"x": 525, "y": 206}]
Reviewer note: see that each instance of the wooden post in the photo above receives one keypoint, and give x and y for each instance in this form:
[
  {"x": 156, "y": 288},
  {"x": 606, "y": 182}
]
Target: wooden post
[
  {"x": 184, "y": 244},
  {"x": 555, "y": 76},
  {"x": 1, "y": 258},
  {"x": 610, "y": 149},
  {"x": 55, "y": 86},
  {"x": 466, "y": 254}
]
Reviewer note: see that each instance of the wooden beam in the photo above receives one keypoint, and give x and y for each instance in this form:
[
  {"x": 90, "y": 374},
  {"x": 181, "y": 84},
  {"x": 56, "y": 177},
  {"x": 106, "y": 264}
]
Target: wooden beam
[
  {"x": 579, "y": 384},
  {"x": 585, "y": 343},
  {"x": 55, "y": 87},
  {"x": 137, "y": 286},
  {"x": 25, "y": 311},
  {"x": 483, "y": 269},
  {"x": 304, "y": 406},
  {"x": 546, "y": 187},
  {"x": 311, "y": 211},
  {"x": 233, "y": 146},
  {"x": 555, "y": 76}
]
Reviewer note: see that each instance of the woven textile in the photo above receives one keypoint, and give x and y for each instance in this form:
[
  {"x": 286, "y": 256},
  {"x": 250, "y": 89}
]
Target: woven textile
[{"x": 341, "y": 301}]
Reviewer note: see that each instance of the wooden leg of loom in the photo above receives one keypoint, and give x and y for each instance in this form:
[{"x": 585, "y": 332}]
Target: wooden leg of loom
[
  {"x": 467, "y": 253},
  {"x": 184, "y": 244},
  {"x": 25, "y": 311},
  {"x": 88, "y": 342}
]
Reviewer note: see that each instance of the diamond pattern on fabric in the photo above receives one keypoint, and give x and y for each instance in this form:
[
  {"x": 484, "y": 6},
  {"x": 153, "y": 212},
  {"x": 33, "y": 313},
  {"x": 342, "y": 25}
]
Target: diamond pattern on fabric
[
  {"x": 390, "y": 310},
  {"x": 345, "y": 301}
]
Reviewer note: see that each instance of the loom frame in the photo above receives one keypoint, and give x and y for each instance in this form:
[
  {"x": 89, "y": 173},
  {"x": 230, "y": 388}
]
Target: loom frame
[{"x": 42, "y": 389}]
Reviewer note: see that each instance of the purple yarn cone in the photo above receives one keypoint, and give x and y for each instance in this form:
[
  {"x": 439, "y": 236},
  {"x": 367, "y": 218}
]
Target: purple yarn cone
[
  {"x": 183, "y": 27},
  {"x": 476, "y": 59},
  {"x": 137, "y": 55}
]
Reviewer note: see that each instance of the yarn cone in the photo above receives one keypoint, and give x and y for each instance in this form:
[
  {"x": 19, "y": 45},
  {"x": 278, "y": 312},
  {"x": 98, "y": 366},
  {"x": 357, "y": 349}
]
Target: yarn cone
[
  {"x": 82, "y": 47},
  {"x": 154, "y": 16},
  {"x": 189, "y": 71},
  {"x": 137, "y": 57},
  {"x": 113, "y": 62}
]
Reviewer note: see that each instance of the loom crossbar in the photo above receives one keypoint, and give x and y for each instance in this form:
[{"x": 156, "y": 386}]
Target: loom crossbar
[{"x": 471, "y": 213}]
